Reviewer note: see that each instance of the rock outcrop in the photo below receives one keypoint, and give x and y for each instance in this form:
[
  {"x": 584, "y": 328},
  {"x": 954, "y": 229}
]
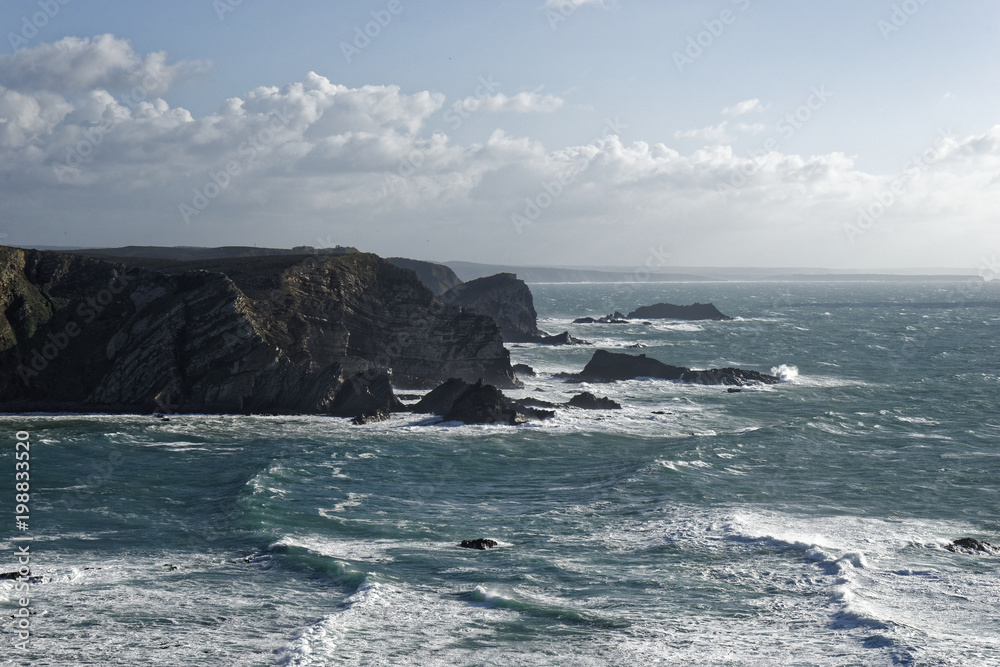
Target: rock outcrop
[
  {"x": 972, "y": 546},
  {"x": 481, "y": 544},
  {"x": 524, "y": 370},
  {"x": 479, "y": 403},
  {"x": 668, "y": 311},
  {"x": 607, "y": 366},
  {"x": 276, "y": 334},
  {"x": 588, "y": 401},
  {"x": 509, "y": 302}
]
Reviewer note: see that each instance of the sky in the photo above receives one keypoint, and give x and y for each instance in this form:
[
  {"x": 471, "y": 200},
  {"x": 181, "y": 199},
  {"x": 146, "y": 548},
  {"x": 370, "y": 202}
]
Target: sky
[{"x": 856, "y": 134}]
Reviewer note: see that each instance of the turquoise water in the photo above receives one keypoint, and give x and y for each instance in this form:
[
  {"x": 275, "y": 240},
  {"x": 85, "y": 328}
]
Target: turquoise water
[{"x": 800, "y": 524}]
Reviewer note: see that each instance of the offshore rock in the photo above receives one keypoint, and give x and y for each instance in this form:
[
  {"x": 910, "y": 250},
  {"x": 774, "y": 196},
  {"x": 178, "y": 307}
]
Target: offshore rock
[
  {"x": 588, "y": 401},
  {"x": 368, "y": 394},
  {"x": 668, "y": 311},
  {"x": 276, "y": 334},
  {"x": 525, "y": 370},
  {"x": 972, "y": 545},
  {"x": 561, "y": 339},
  {"x": 482, "y": 544},
  {"x": 607, "y": 366},
  {"x": 478, "y": 403}
]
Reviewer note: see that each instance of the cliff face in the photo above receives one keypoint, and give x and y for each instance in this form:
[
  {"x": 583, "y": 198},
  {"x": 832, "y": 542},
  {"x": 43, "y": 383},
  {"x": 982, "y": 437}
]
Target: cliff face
[
  {"x": 506, "y": 299},
  {"x": 438, "y": 278},
  {"x": 249, "y": 335}
]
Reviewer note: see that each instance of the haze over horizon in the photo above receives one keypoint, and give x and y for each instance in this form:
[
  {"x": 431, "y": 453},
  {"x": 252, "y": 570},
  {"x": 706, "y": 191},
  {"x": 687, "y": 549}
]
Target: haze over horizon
[{"x": 545, "y": 132}]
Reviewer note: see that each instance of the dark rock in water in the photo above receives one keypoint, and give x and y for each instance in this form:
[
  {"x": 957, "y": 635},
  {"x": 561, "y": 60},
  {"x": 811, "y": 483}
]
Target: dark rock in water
[
  {"x": 668, "y": 311},
  {"x": 536, "y": 403},
  {"x": 482, "y": 544},
  {"x": 617, "y": 318},
  {"x": 525, "y": 370},
  {"x": 972, "y": 545},
  {"x": 10, "y": 575},
  {"x": 439, "y": 400},
  {"x": 728, "y": 376},
  {"x": 734, "y": 390},
  {"x": 561, "y": 339},
  {"x": 409, "y": 397},
  {"x": 371, "y": 417},
  {"x": 588, "y": 401},
  {"x": 367, "y": 393},
  {"x": 17, "y": 576},
  {"x": 480, "y": 403},
  {"x": 607, "y": 366}
]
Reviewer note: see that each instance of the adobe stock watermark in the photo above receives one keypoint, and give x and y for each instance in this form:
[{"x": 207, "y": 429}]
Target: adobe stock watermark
[
  {"x": 57, "y": 341},
  {"x": 223, "y": 7},
  {"x": 886, "y": 198},
  {"x": 455, "y": 116},
  {"x": 552, "y": 190},
  {"x": 900, "y": 16},
  {"x": 83, "y": 151},
  {"x": 786, "y": 127},
  {"x": 363, "y": 35},
  {"x": 714, "y": 29},
  {"x": 48, "y": 10},
  {"x": 218, "y": 181},
  {"x": 559, "y": 11}
]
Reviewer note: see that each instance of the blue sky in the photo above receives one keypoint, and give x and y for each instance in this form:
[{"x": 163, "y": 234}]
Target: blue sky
[{"x": 545, "y": 131}]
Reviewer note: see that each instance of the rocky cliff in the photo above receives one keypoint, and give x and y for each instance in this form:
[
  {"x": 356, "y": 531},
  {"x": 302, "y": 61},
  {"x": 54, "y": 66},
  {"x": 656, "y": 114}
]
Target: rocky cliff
[
  {"x": 506, "y": 299},
  {"x": 437, "y": 277},
  {"x": 259, "y": 334}
]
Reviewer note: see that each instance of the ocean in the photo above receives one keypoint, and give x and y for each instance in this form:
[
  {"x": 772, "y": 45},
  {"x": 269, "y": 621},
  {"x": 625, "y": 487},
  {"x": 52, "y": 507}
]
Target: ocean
[{"x": 803, "y": 523}]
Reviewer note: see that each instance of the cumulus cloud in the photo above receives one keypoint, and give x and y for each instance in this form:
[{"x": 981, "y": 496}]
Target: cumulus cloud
[
  {"x": 713, "y": 134},
  {"x": 316, "y": 162},
  {"x": 743, "y": 107},
  {"x": 519, "y": 103},
  {"x": 74, "y": 64}
]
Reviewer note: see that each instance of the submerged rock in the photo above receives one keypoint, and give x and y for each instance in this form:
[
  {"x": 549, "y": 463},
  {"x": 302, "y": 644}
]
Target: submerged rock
[
  {"x": 607, "y": 366},
  {"x": 482, "y": 544}
]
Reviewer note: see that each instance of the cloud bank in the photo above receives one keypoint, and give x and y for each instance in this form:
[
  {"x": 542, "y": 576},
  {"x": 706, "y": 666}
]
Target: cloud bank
[{"x": 92, "y": 154}]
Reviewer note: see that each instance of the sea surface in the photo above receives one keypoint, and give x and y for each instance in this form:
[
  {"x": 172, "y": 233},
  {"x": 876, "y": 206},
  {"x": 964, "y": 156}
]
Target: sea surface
[{"x": 798, "y": 524}]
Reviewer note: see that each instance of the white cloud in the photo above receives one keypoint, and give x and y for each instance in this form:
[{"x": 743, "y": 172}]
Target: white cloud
[
  {"x": 318, "y": 160},
  {"x": 519, "y": 103},
  {"x": 74, "y": 64},
  {"x": 743, "y": 107},
  {"x": 713, "y": 134}
]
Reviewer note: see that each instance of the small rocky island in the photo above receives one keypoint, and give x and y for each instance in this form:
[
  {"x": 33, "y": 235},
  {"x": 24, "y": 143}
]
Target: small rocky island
[
  {"x": 660, "y": 311},
  {"x": 607, "y": 366}
]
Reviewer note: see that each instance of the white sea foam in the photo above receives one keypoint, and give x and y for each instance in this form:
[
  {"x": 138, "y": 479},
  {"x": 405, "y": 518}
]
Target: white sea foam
[{"x": 785, "y": 373}]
